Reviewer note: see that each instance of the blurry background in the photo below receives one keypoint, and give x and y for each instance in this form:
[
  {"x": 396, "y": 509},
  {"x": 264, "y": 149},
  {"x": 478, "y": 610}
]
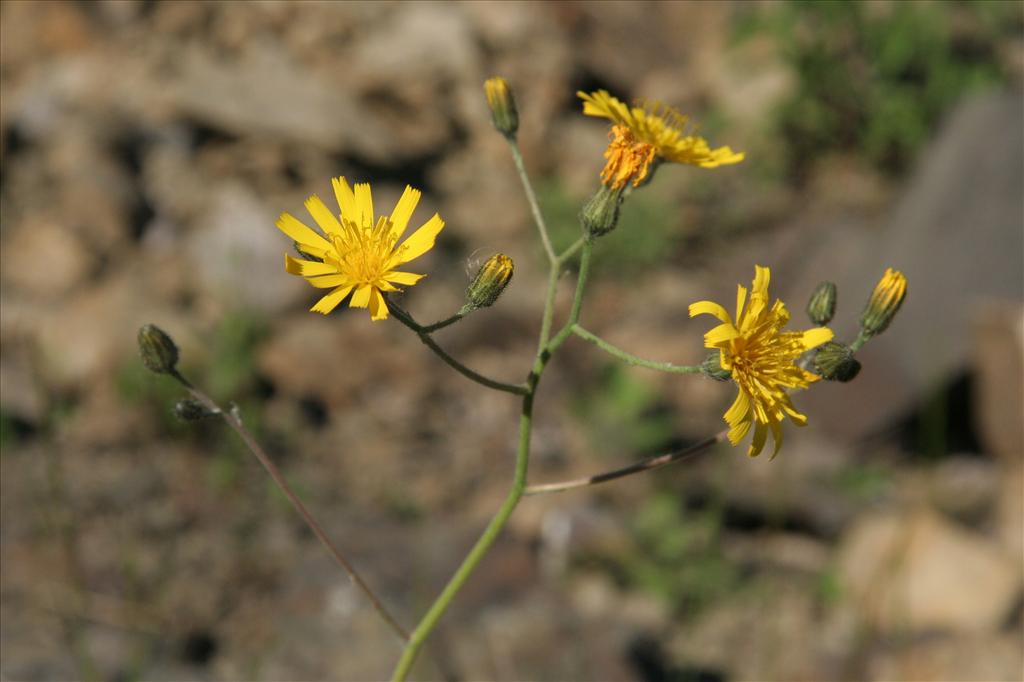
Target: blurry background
[{"x": 147, "y": 149}]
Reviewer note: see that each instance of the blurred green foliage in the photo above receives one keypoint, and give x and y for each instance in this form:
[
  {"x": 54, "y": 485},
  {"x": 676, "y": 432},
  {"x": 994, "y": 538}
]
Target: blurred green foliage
[
  {"x": 678, "y": 556},
  {"x": 623, "y": 415},
  {"x": 875, "y": 78},
  {"x": 647, "y": 229}
]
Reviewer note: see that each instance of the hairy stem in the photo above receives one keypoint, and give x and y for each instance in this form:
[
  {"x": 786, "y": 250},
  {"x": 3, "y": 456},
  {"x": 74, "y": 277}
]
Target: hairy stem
[
  {"x": 538, "y": 217},
  {"x": 631, "y": 359},
  {"x": 407, "y": 319},
  {"x": 234, "y": 421}
]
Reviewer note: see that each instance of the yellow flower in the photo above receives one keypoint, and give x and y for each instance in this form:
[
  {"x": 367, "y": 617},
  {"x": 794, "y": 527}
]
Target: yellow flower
[
  {"x": 761, "y": 358},
  {"x": 357, "y": 253},
  {"x": 884, "y": 303},
  {"x": 642, "y": 135}
]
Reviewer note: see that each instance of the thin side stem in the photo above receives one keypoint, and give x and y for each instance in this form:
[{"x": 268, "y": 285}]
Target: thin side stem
[
  {"x": 571, "y": 251},
  {"x": 235, "y": 423},
  {"x": 631, "y": 359},
  {"x": 538, "y": 217},
  {"x": 639, "y": 467},
  {"x": 577, "y": 302},
  {"x": 431, "y": 328},
  {"x": 406, "y": 319}
]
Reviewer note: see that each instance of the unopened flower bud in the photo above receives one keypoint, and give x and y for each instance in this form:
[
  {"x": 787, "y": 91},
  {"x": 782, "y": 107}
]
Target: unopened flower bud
[
  {"x": 712, "y": 367},
  {"x": 835, "y": 362},
  {"x": 885, "y": 301},
  {"x": 189, "y": 410},
  {"x": 822, "y": 306},
  {"x": 600, "y": 214},
  {"x": 503, "y": 106},
  {"x": 492, "y": 278},
  {"x": 159, "y": 354}
]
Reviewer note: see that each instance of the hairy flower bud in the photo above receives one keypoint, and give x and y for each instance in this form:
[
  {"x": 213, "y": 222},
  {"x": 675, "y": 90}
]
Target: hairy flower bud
[
  {"x": 835, "y": 362},
  {"x": 712, "y": 367},
  {"x": 600, "y": 214},
  {"x": 503, "y": 106},
  {"x": 189, "y": 410},
  {"x": 492, "y": 278},
  {"x": 885, "y": 301},
  {"x": 159, "y": 354},
  {"x": 822, "y": 306}
]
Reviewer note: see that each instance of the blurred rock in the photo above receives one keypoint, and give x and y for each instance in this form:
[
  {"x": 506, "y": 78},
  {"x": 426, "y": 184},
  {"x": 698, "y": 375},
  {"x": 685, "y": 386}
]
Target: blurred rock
[
  {"x": 999, "y": 380},
  {"x": 917, "y": 572},
  {"x": 68, "y": 260},
  {"x": 23, "y": 395},
  {"x": 955, "y": 659},
  {"x": 1010, "y": 510},
  {"x": 966, "y": 488},
  {"x": 238, "y": 254}
]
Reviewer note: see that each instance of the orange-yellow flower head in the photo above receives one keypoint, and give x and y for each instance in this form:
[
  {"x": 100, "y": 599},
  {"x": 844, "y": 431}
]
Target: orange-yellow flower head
[
  {"x": 643, "y": 135},
  {"x": 761, "y": 358},
  {"x": 357, "y": 253}
]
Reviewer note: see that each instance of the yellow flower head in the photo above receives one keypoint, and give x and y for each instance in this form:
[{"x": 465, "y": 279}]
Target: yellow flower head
[
  {"x": 761, "y": 358},
  {"x": 643, "y": 134},
  {"x": 884, "y": 303},
  {"x": 357, "y": 252}
]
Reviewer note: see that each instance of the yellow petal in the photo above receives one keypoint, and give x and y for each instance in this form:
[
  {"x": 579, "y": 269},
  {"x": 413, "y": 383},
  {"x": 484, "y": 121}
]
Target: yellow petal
[
  {"x": 709, "y": 308},
  {"x": 741, "y": 298},
  {"x": 757, "y": 442},
  {"x": 403, "y": 211},
  {"x": 720, "y": 334},
  {"x": 364, "y": 205},
  {"x": 739, "y": 411},
  {"x": 762, "y": 276},
  {"x": 331, "y": 300},
  {"x": 737, "y": 432},
  {"x": 307, "y": 268},
  {"x": 346, "y": 200},
  {"x": 328, "y": 281},
  {"x": 813, "y": 338},
  {"x": 404, "y": 278},
  {"x": 420, "y": 241},
  {"x": 378, "y": 307},
  {"x": 777, "y": 437},
  {"x": 361, "y": 298},
  {"x": 322, "y": 215},
  {"x": 304, "y": 235}
]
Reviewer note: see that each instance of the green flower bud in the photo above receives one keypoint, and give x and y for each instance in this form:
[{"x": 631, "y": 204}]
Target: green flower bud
[
  {"x": 885, "y": 301},
  {"x": 835, "y": 362},
  {"x": 159, "y": 354},
  {"x": 822, "y": 306},
  {"x": 712, "y": 367},
  {"x": 189, "y": 410},
  {"x": 490, "y": 281},
  {"x": 600, "y": 214},
  {"x": 503, "y": 106}
]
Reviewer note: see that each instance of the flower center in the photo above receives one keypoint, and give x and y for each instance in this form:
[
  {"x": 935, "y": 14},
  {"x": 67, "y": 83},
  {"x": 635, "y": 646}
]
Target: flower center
[
  {"x": 628, "y": 158},
  {"x": 363, "y": 254}
]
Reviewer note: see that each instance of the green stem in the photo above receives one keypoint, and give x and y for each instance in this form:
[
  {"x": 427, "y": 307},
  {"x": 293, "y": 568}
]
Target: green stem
[
  {"x": 406, "y": 319},
  {"x": 480, "y": 549},
  {"x": 431, "y": 328},
  {"x": 538, "y": 217},
  {"x": 862, "y": 338},
  {"x": 631, "y": 359},
  {"x": 577, "y": 302},
  {"x": 545, "y": 348}
]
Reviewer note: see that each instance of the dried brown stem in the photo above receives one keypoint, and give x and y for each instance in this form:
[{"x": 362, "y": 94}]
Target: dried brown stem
[
  {"x": 232, "y": 419},
  {"x": 645, "y": 465}
]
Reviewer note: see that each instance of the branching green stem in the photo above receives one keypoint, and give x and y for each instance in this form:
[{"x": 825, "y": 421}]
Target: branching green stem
[
  {"x": 545, "y": 348},
  {"x": 424, "y": 335},
  {"x": 631, "y": 359},
  {"x": 538, "y": 217}
]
